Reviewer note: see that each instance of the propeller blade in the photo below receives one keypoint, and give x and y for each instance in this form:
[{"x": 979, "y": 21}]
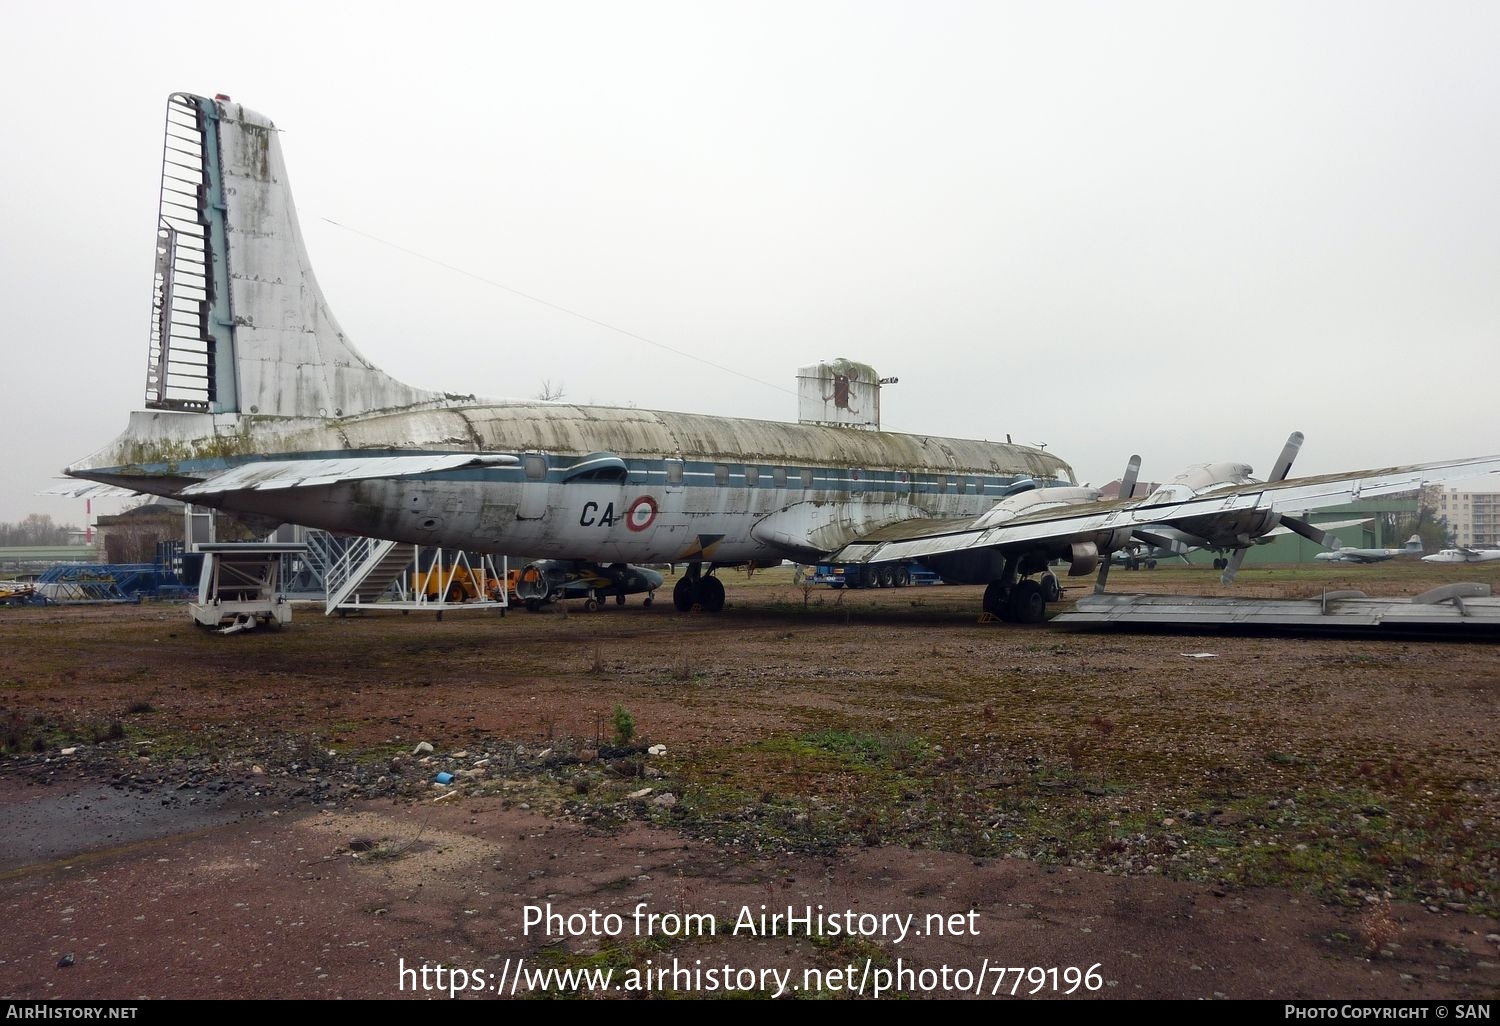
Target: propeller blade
[
  {"x": 1316, "y": 535},
  {"x": 1233, "y": 567},
  {"x": 1132, "y": 471},
  {"x": 1283, "y": 465}
]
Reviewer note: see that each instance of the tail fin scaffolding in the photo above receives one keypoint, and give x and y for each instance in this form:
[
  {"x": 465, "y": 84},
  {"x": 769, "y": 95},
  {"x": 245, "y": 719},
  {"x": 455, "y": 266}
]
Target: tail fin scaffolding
[{"x": 239, "y": 324}]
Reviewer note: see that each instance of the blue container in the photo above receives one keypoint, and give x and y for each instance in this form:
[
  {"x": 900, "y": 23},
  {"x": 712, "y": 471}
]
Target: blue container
[{"x": 444, "y": 778}]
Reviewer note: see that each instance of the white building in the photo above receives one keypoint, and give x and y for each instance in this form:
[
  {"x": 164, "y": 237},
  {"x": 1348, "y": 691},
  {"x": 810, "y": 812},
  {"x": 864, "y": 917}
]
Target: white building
[{"x": 1473, "y": 517}]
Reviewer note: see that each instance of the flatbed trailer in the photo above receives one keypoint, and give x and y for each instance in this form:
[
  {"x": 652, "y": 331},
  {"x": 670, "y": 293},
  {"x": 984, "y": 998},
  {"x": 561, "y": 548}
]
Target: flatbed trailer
[{"x": 872, "y": 575}]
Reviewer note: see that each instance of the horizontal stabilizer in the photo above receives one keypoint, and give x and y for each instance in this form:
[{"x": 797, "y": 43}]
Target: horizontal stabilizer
[
  {"x": 272, "y": 475},
  {"x": 89, "y": 490}
]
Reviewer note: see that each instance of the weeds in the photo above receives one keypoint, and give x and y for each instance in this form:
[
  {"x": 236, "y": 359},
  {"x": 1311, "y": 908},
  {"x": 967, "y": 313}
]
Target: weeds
[{"x": 624, "y": 726}]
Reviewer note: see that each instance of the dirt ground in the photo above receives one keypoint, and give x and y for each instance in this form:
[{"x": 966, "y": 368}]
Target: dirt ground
[{"x": 1140, "y": 815}]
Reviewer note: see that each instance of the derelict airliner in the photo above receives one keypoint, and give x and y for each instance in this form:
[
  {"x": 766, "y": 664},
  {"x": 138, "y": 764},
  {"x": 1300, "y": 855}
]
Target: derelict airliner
[{"x": 258, "y": 404}]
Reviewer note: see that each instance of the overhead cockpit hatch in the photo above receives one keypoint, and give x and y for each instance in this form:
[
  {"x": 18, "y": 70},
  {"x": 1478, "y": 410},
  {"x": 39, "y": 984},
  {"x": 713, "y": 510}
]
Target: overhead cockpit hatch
[{"x": 598, "y": 466}]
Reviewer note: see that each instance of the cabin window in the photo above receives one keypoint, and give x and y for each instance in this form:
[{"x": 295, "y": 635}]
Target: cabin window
[
  {"x": 807, "y": 477},
  {"x": 721, "y": 475},
  {"x": 536, "y": 467},
  {"x": 974, "y": 486},
  {"x": 674, "y": 472},
  {"x": 778, "y": 477},
  {"x": 752, "y": 476},
  {"x": 953, "y": 485}
]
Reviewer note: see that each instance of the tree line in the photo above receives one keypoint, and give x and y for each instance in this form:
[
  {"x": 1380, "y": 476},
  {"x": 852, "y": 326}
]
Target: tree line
[{"x": 35, "y": 529}]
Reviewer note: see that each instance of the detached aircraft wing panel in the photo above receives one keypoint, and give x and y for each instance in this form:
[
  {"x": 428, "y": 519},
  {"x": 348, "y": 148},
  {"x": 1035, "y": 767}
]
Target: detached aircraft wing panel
[{"x": 276, "y": 475}]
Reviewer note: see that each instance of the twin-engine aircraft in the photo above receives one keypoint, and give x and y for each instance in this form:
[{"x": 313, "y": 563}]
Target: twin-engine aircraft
[
  {"x": 1339, "y": 554},
  {"x": 1463, "y": 554},
  {"x": 257, "y": 403}
]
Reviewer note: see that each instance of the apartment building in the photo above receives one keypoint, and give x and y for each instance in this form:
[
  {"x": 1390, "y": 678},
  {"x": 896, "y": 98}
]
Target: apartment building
[{"x": 1473, "y": 517}]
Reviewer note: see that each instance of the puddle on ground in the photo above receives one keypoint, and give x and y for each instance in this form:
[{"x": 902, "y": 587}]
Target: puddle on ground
[{"x": 53, "y": 824}]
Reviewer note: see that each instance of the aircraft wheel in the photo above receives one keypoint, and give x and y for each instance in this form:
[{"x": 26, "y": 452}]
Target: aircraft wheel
[
  {"x": 1026, "y": 603},
  {"x": 620, "y": 599},
  {"x": 1150, "y": 564},
  {"x": 683, "y": 595},
  {"x": 712, "y": 590},
  {"x": 1051, "y": 590},
  {"x": 591, "y": 606},
  {"x": 532, "y": 605},
  {"x": 647, "y": 602}
]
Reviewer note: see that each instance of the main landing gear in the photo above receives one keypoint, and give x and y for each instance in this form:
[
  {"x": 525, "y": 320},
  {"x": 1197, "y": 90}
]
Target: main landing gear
[
  {"x": 695, "y": 588},
  {"x": 1023, "y": 601}
]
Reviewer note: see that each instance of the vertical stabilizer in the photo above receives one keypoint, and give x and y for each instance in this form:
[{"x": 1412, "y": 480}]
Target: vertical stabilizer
[{"x": 239, "y": 324}]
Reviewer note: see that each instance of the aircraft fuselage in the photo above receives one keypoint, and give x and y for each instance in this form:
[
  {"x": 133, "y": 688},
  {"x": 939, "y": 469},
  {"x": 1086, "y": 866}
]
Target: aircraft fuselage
[{"x": 605, "y": 484}]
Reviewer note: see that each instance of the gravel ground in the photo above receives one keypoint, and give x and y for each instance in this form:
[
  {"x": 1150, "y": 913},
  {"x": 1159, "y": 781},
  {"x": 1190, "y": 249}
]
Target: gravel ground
[{"x": 251, "y": 815}]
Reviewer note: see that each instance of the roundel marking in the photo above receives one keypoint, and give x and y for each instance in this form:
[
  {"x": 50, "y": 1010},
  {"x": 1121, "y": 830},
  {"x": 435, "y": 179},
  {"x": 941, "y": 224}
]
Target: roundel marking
[{"x": 641, "y": 514}]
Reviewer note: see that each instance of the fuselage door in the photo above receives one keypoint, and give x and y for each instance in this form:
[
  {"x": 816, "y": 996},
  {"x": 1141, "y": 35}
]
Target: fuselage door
[{"x": 533, "y": 501}]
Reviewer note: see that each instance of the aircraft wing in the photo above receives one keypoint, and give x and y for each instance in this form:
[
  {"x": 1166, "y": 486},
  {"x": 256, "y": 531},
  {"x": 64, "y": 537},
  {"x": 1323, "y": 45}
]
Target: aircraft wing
[
  {"x": 275, "y": 475},
  {"x": 1230, "y": 512}
]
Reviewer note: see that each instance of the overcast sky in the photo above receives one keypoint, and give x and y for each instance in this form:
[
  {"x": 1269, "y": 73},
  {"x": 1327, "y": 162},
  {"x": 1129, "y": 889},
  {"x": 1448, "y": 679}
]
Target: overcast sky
[{"x": 1180, "y": 229}]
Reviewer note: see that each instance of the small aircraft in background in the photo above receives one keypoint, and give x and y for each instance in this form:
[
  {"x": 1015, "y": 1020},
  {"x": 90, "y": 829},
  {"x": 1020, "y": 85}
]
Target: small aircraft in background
[
  {"x": 1160, "y": 542},
  {"x": 1463, "y": 554},
  {"x": 1338, "y": 554},
  {"x": 554, "y": 580}
]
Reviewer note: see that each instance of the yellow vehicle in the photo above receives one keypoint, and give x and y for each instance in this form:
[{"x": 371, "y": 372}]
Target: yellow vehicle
[{"x": 455, "y": 584}]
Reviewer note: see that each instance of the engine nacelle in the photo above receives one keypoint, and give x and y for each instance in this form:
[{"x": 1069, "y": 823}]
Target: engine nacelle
[
  {"x": 536, "y": 581},
  {"x": 1085, "y": 559}
]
